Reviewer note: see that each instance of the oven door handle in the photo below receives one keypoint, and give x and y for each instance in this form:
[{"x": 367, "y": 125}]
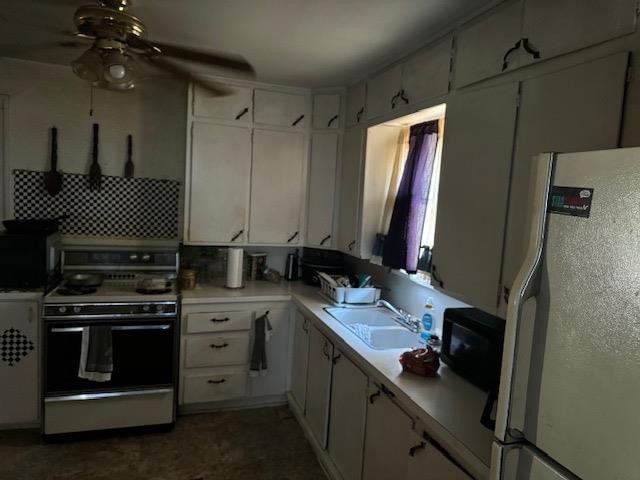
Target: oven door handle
[{"x": 128, "y": 328}]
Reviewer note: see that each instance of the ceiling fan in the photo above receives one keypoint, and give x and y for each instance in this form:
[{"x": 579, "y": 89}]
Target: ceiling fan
[{"x": 120, "y": 44}]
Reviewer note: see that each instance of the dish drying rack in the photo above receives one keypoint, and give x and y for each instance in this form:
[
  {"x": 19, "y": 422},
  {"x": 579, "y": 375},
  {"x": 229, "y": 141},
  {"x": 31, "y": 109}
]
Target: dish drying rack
[{"x": 349, "y": 297}]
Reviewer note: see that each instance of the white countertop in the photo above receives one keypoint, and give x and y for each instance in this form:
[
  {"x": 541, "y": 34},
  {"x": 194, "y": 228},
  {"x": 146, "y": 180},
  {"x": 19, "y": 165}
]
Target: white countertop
[
  {"x": 448, "y": 406},
  {"x": 17, "y": 295}
]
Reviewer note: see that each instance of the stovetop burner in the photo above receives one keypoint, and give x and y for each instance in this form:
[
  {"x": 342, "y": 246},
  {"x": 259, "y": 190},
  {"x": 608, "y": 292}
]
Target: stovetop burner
[{"x": 68, "y": 290}]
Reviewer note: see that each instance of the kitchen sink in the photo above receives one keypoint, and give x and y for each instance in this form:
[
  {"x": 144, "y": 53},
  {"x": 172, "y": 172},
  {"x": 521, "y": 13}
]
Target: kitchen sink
[{"x": 377, "y": 327}]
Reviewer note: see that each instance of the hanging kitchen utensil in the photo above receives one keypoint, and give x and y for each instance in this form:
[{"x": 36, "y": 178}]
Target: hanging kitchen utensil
[
  {"x": 129, "y": 167},
  {"x": 53, "y": 178},
  {"x": 95, "y": 174}
]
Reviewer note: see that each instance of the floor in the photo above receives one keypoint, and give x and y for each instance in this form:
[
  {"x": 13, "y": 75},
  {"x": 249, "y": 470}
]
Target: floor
[{"x": 264, "y": 443}]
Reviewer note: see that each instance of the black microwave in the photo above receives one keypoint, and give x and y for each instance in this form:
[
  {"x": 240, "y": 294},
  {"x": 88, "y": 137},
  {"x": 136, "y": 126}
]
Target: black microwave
[
  {"x": 472, "y": 346},
  {"x": 29, "y": 260}
]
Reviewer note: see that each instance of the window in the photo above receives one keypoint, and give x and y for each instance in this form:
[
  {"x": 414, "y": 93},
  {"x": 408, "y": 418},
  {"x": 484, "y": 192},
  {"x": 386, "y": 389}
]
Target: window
[{"x": 388, "y": 146}]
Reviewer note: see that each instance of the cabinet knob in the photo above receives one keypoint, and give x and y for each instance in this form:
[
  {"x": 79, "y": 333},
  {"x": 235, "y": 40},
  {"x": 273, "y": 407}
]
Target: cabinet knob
[
  {"x": 292, "y": 237},
  {"x": 325, "y": 239},
  {"x": 297, "y": 120}
]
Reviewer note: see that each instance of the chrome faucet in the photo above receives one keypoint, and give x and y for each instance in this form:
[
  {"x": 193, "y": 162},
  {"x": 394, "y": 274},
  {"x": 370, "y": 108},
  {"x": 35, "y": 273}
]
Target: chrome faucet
[{"x": 403, "y": 318}]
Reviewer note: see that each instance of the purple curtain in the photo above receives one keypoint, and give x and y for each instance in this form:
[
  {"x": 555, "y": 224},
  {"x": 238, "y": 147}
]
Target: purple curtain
[{"x": 402, "y": 245}]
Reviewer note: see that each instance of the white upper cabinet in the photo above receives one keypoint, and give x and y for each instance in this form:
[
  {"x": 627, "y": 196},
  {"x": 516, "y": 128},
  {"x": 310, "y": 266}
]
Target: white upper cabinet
[
  {"x": 483, "y": 47},
  {"x": 326, "y": 111},
  {"x": 281, "y": 109},
  {"x": 473, "y": 194},
  {"x": 276, "y": 187},
  {"x": 218, "y": 184},
  {"x": 553, "y": 27},
  {"x": 572, "y": 110},
  {"x": 383, "y": 92},
  {"x": 425, "y": 75},
  {"x": 322, "y": 188},
  {"x": 236, "y": 107},
  {"x": 356, "y": 96},
  {"x": 350, "y": 176}
]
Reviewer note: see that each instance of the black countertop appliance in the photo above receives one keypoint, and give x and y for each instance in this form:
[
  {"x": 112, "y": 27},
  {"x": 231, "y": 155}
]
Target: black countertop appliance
[{"x": 316, "y": 260}]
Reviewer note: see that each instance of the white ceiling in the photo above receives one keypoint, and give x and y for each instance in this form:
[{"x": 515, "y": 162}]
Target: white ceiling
[{"x": 312, "y": 43}]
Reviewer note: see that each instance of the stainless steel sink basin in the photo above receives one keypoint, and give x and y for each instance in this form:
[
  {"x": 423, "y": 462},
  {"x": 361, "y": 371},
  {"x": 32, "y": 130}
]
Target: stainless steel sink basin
[{"x": 377, "y": 327}]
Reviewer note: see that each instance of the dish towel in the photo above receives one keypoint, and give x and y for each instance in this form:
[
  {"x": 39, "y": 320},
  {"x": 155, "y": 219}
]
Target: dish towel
[
  {"x": 262, "y": 336},
  {"x": 96, "y": 354}
]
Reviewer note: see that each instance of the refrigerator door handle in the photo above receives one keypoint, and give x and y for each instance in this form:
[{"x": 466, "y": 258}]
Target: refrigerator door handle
[{"x": 525, "y": 286}]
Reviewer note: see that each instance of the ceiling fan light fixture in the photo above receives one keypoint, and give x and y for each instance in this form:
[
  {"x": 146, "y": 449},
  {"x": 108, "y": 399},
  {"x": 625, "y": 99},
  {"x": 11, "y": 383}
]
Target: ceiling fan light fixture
[
  {"x": 88, "y": 66},
  {"x": 118, "y": 71}
]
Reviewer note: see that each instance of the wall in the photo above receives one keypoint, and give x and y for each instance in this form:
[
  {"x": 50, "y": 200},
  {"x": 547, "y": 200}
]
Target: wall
[{"x": 41, "y": 96}]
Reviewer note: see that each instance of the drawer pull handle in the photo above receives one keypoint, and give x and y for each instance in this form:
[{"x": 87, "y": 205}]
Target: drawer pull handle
[
  {"x": 220, "y": 320},
  {"x": 374, "y": 396},
  {"x": 242, "y": 113},
  {"x": 213, "y": 345},
  {"x": 292, "y": 237},
  {"x": 359, "y": 115},
  {"x": 325, "y": 239},
  {"x": 331, "y": 120},
  {"x": 216, "y": 382},
  {"x": 351, "y": 245},
  {"x": 297, "y": 120}
]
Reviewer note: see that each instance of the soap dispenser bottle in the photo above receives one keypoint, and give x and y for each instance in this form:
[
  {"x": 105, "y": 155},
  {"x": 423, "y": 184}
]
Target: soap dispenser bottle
[{"x": 427, "y": 320}]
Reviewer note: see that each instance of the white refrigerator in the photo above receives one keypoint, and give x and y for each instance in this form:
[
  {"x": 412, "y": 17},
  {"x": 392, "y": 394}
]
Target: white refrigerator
[{"x": 569, "y": 401}]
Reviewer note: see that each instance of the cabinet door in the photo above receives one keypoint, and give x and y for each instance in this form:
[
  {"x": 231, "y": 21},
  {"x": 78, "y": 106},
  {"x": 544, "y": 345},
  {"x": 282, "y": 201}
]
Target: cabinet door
[
  {"x": 219, "y": 183},
  {"x": 350, "y": 190},
  {"x": 319, "y": 385},
  {"x": 300, "y": 360},
  {"x": 575, "y": 109},
  {"x": 276, "y": 186},
  {"x": 482, "y": 44},
  {"x": 356, "y": 96},
  {"x": 281, "y": 109},
  {"x": 473, "y": 194},
  {"x": 387, "y": 441},
  {"x": 274, "y": 382},
  {"x": 381, "y": 91},
  {"x": 235, "y": 107},
  {"x": 19, "y": 373},
  {"x": 326, "y": 111},
  {"x": 322, "y": 189},
  {"x": 427, "y": 460},
  {"x": 348, "y": 417},
  {"x": 426, "y": 74},
  {"x": 553, "y": 28}
]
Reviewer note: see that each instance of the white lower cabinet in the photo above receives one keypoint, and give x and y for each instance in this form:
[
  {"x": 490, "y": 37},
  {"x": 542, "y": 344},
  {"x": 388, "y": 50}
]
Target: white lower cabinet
[
  {"x": 217, "y": 342},
  {"x": 388, "y": 440},
  {"x": 319, "y": 385},
  {"x": 19, "y": 373},
  {"x": 348, "y": 417},
  {"x": 428, "y": 461},
  {"x": 300, "y": 360},
  {"x": 274, "y": 380}
]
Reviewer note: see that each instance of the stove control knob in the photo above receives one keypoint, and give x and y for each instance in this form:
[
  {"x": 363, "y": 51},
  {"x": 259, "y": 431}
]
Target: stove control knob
[
  {"x": 76, "y": 309},
  {"x": 145, "y": 308},
  {"x": 159, "y": 308},
  {"x": 62, "y": 309},
  {"x": 146, "y": 257},
  {"x": 133, "y": 257}
]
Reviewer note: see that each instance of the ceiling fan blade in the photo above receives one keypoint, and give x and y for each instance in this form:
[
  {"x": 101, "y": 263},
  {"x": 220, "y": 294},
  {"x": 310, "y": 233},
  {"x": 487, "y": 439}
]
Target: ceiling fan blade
[
  {"x": 231, "y": 62},
  {"x": 184, "y": 74}
]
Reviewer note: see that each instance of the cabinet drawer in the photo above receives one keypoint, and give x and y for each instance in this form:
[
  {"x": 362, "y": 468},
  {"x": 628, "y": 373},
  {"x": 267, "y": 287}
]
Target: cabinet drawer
[
  {"x": 217, "y": 350},
  {"x": 218, "y": 321},
  {"x": 221, "y": 384}
]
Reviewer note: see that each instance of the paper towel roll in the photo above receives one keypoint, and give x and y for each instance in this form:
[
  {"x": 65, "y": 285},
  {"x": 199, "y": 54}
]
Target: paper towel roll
[{"x": 234, "y": 267}]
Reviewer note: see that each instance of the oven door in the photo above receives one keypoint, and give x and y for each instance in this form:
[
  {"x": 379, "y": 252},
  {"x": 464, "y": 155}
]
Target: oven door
[{"x": 143, "y": 356}]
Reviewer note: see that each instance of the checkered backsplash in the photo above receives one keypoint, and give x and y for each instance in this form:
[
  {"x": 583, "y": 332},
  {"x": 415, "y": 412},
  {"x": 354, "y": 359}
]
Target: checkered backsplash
[{"x": 123, "y": 207}]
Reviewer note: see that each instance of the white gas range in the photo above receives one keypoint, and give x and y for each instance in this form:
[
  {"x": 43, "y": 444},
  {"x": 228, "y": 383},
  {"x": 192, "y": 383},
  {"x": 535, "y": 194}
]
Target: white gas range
[{"x": 143, "y": 331}]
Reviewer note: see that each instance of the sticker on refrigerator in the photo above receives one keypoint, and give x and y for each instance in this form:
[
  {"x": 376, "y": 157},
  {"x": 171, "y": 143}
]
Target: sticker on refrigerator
[{"x": 572, "y": 201}]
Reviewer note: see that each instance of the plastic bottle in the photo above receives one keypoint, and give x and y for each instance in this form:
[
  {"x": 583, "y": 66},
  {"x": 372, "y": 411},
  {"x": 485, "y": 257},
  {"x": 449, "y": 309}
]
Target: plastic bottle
[{"x": 427, "y": 320}]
